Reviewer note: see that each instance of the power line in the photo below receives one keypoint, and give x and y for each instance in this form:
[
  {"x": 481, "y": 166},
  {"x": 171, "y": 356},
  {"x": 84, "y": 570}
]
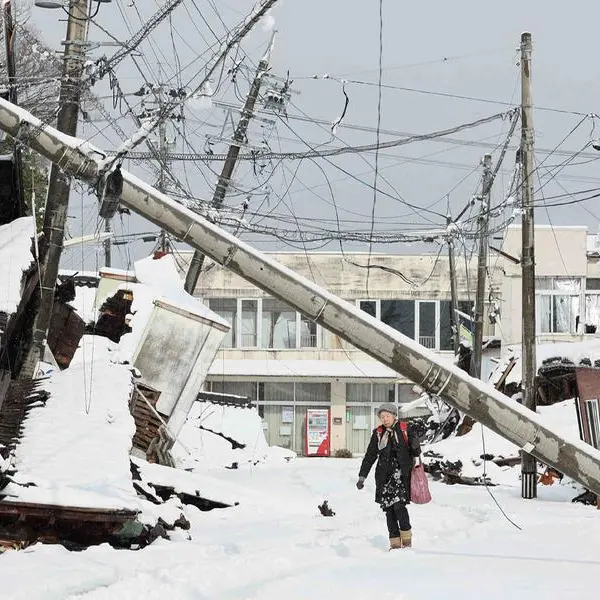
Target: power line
[{"x": 378, "y": 144}]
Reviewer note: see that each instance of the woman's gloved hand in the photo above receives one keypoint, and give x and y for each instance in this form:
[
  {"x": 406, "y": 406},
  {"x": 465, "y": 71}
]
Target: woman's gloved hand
[{"x": 360, "y": 484}]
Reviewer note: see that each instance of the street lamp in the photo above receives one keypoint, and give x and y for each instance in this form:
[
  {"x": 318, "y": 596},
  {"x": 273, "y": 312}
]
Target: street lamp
[{"x": 48, "y": 4}]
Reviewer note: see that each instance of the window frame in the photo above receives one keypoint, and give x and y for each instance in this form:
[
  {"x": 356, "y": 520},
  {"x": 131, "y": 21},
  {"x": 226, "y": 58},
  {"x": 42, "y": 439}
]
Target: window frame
[{"x": 548, "y": 287}]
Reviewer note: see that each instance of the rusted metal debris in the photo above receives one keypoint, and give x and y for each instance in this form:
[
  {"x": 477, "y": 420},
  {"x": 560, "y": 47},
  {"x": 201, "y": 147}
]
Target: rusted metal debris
[{"x": 65, "y": 333}]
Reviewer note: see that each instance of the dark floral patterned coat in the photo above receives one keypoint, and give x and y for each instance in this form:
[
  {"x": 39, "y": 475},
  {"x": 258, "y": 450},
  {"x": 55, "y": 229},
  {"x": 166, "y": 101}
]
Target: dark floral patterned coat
[{"x": 399, "y": 452}]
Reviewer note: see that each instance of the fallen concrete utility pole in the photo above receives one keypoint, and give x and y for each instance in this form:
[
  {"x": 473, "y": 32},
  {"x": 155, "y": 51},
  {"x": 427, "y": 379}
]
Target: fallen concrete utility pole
[{"x": 506, "y": 417}]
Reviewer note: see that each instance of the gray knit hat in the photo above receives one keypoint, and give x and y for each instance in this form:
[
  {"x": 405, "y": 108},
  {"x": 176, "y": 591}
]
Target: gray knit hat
[{"x": 388, "y": 407}]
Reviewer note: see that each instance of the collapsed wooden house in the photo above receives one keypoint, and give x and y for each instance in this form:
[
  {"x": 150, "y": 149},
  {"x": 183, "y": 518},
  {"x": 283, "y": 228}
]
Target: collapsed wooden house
[{"x": 165, "y": 358}]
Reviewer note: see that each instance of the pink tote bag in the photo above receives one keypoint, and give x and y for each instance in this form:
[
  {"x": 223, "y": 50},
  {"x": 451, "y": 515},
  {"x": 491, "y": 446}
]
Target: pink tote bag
[{"x": 419, "y": 486}]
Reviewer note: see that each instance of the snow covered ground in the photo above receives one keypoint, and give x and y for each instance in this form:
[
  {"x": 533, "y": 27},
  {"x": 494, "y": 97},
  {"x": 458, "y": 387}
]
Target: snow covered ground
[{"x": 276, "y": 545}]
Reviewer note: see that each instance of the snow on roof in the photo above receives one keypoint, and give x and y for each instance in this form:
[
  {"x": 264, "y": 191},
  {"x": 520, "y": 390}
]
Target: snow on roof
[
  {"x": 15, "y": 259},
  {"x": 344, "y": 369},
  {"x": 574, "y": 351},
  {"x": 117, "y": 273},
  {"x": 85, "y": 303},
  {"x": 301, "y": 368},
  {"x": 76, "y": 448}
]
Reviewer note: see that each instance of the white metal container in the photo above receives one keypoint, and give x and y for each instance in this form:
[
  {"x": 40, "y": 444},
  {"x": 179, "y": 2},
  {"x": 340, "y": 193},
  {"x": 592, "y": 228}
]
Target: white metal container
[{"x": 174, "y": 353}]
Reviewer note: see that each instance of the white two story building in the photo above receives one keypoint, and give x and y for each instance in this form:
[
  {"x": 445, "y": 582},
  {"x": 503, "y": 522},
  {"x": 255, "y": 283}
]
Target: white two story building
[{"x": 287, "y": 364}]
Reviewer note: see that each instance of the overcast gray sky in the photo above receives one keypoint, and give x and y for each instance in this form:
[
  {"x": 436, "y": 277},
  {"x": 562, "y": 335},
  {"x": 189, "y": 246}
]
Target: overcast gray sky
[{"x": 464, "y": 48}]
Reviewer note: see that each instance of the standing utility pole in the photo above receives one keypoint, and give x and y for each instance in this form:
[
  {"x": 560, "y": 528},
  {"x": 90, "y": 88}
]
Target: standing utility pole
[
  {"x": 528, "y": 462},
  {"x": 59, "y": 183},
  {"x": 454, "y": 319},
  {"x": 239, "y": 137},
  {"x": 484, "y": 220}
]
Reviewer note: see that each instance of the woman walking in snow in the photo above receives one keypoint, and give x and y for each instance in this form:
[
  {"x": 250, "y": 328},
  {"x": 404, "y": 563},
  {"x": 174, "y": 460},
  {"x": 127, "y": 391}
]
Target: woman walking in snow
[{"x": 395, "y": 447}]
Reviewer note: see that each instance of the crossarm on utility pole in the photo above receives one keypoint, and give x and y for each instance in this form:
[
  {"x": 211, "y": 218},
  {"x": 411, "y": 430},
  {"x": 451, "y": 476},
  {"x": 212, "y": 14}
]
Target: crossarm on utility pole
[{"x": 479, "y": 400}]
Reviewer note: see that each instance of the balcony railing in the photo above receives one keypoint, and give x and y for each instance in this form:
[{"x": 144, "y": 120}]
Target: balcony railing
[
  {"x": 428, "y": 341},
  {"x": 308, "y": 340}
]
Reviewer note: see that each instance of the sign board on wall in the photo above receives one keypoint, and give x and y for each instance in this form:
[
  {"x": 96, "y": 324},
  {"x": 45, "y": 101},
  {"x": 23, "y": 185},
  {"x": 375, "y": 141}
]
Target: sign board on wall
[
  {"x": 287, "y": 414},
  {"x": 317, "y": 432}
]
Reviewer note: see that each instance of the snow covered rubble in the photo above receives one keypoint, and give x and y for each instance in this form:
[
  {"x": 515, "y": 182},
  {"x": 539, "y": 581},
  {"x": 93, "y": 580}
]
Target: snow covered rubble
[
  {"x": 75, "y": 449},
  {"x": 471, "y": 457},
  {"x": 276, "y": 545}
]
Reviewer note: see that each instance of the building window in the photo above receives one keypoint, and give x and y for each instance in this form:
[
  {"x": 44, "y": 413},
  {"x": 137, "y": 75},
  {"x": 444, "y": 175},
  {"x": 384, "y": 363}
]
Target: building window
[
  {"x": 249, "y": 323},
  {"x": 557, "y": 304},
  {"x": 314, "y": 393},
  {"x": 358, "y": 392},
  {"x": 246, "y": 389},
  {"x": 446, "y": 336},
  {"x": 383, "y": 392},
  {"x": 371, "y": 307},
  {"x": 592, "y": 305},
  {"x": 226, "y": 308},
  {"x": 364, "y": 393},
  {"x": 399, "y": 314},
  {"x": 280, "y": 392},
  {"x": 265, "y": 323},
  {"x": 308, "y": 333},
  {"x": 278, "y": 324},
  {"x": 427, "y": 325}
]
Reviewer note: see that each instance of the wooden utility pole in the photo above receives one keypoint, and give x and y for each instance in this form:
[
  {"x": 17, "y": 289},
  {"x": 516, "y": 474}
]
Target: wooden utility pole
[
  {"x": 454, "y": 320},
  {"x": 239, "y": 137},
  {"x": 59, "y": 184},
  {"x": 528, "y": 462},
  {"x": 484, "y": 219}
]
